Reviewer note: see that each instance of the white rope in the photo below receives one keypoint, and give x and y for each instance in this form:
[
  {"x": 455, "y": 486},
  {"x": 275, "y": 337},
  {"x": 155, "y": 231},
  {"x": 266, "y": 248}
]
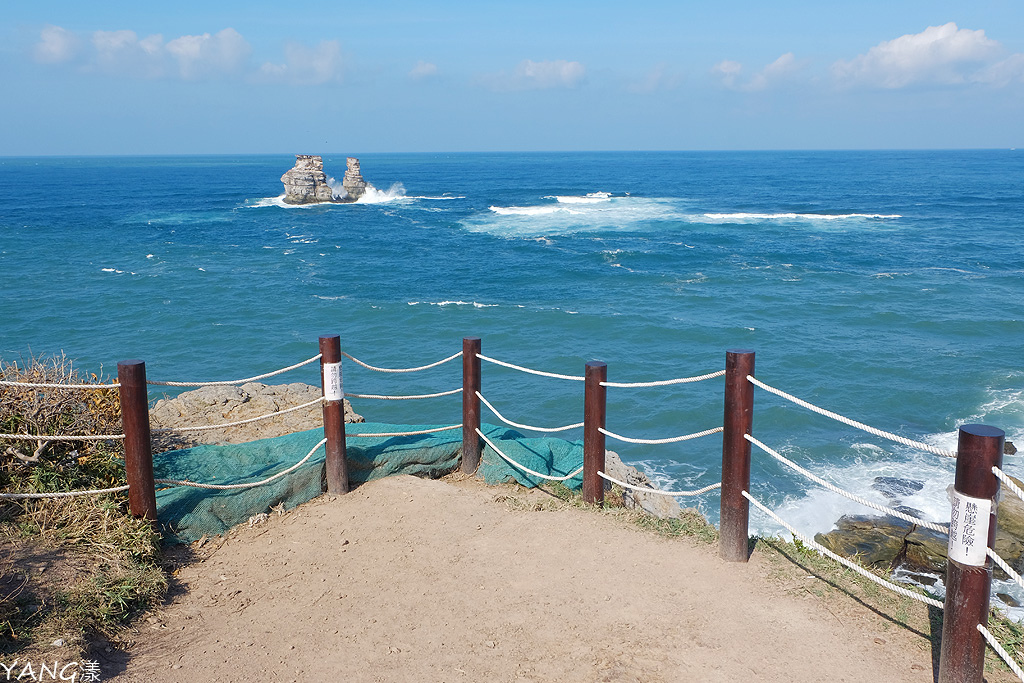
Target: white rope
[
  {"x": 852, "y": 496},
  {"x": 643, "y": 489},
  {"x": 516, "y": 424},
  {"x": 1014, "y": 576},
  {"x": 524, "y": 468},
  {"x": 842, "y": 560},
  {"x": 665, "y": 382},
  {"x": 1001, "y": 652},
  {"x": 422, "y": 367},
  {"x": 852, "y": 423},
  {"x": 532, "y": 372},
  {"x": 62, "y": 494},
  {"x": 673, "y": 439},
  {"x": 404, "y": 398},
  {"x": 46, "y": 385},
  {"x": 236, "y": 381},
  {"x": 48, "y": 437},
  {"x": 224, "y": 487},
  {"x": 421, "y": 431},
  {"x": 239, "y": 422},
  {"x": 1009, "y": 483}
]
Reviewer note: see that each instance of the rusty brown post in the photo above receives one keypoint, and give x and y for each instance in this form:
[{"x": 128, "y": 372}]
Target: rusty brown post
[
  {"x": 138, "y": 450},
  {"x": 470, "y": 404},
  {"x": 594, "y": 411},
  {"x": 739, "y": 418},
  {"x": 336, "y": 463},
  {"x": 972, "y": 529}
]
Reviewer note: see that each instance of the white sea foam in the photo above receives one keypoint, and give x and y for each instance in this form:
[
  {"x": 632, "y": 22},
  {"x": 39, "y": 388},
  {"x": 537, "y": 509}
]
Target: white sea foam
[
  {"x": 375, "y": 196},
  {"x": 557, "y": 218},
  {"x": 474, "y": 304},
  {"x": 745, "y": 217},
  {"x": 589, "y": 198}
]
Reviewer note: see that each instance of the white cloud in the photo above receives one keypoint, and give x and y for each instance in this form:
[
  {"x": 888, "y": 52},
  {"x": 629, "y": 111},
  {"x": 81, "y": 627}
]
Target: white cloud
[
  {"x": 531, "y": 75},
  {"x": 222, "y": 53},
  {"x": 423, "y": 70},
  {"x": 305, "y": 65},
  {"x": 660, "y": 77},
  {"x": 773, "y": 74},
  {"x": 55, "y": 45},
  {"x": 939, "y": 54},
  {"x": 122, "y": 52},
  {"x": 1002, "y": 73}
]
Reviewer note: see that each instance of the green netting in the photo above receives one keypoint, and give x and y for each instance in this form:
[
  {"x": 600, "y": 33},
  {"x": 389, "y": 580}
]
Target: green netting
[{"x": 188, "y": 513}]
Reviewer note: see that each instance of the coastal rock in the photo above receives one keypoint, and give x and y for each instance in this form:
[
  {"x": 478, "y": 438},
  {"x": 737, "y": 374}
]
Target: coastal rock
[
  {"x": 887, "y": 542},
  {"x": 355, "y": 186},
  {"x": 306, "y": 182},
  {"x": 664, "y": 507},
  {"x": 216, "y": 405},
  {"x": 1009, "y": 448},
  {"x": 894, "y": 488}
]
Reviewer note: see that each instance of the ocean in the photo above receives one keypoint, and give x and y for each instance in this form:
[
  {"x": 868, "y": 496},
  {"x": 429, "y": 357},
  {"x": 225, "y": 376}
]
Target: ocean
[{"x": 887, "y": 286}]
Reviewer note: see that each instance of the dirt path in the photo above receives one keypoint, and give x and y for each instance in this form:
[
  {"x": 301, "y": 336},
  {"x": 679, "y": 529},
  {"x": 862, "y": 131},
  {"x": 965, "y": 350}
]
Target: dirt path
[{"x": 410, "y": 579}]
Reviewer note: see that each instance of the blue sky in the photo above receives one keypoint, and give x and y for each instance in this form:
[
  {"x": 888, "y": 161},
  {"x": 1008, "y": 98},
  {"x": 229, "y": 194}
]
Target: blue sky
[{"x": 230, "y": 77}]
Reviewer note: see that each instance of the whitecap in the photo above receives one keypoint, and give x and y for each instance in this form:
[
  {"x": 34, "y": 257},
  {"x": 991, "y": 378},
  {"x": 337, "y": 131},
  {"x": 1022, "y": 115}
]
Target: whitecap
[{"x": 743, "y": 216}]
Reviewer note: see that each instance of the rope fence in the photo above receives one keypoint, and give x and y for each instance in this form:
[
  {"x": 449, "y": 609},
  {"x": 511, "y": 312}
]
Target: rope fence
[
  {"x": 644, "y": 489},
  {"x": 422, "y": 367},
  {"x": 811, "y": 543},
  {"x": 53, "y": 437},
  {"x": 57, "y": 385},
  {"x": 737, "y": 439},
  {"x": 1003, "y": 654},
  {"x": 853, "y": 423},
  {"x": 433, "y": 430},
  {"x": 852, "y": 496},
  {"x": 520, "y": 368},
  {"x": 225, "y": 425},
  {"x": 236, "y": 381},
  {"x": 227, "y": 487},
  {"x": 522, "y": 426},
  {"x": 665, "y": 382},
  {"x": 405, "y": 398},
  {"x": 61, "y": 494},
  {"x": 673, "y": 439},
  {"x": 524, "y": 468}
]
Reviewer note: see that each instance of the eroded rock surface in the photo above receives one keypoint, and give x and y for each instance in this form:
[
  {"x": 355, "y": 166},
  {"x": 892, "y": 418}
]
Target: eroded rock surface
[
  {"x": 217, "y": 405},
  {"x": 306, "y": 182}
]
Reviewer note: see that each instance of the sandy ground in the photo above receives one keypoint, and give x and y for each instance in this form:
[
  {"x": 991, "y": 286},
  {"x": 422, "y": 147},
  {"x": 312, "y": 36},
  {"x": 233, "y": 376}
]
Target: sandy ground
[{"x": 408, "y": 579}]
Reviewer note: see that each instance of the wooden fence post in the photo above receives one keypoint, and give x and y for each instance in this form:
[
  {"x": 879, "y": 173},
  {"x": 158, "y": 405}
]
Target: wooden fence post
[
  {"x": 733, "y": 537},
  {"x": 336, "y": 463},
  {"x": 972, "y": 530},
  {"x": 594, "y": 411},
  {"x": 138, "y": 449},
  {"x": 470, "y": 404}
]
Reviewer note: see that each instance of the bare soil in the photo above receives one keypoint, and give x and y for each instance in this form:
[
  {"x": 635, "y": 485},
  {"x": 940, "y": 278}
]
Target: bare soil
[{"x": 411, "y": 579}]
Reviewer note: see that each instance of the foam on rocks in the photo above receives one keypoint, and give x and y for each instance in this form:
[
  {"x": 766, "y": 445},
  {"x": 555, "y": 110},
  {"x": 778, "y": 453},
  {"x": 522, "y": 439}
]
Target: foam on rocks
[{"x": 306, "y": 182}]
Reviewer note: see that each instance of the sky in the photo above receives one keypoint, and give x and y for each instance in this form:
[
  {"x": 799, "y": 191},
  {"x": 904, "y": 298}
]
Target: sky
[{"x": 254, "y": 77}]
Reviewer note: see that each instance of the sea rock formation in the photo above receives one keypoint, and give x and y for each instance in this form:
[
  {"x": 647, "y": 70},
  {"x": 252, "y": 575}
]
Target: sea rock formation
[
  {"x": 306, "y": 182},
  {"x": 655, "y": 504},
  {"x": 355, "y": 186}
]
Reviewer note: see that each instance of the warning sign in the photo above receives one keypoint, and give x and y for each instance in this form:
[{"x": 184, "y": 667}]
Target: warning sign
[
  {"x": 968, "y": 528},
  {"x": 332, "y": 382}
]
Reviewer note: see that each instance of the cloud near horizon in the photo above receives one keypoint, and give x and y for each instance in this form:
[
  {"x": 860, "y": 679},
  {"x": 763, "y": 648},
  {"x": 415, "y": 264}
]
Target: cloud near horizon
[
  {"x": 782, "y": 69},
  {"x": 531, "y": 75},
  {"x": 189, "y": 57},
  {"x": 942, "y": 55},
  {"x": 423, "y": 70}
]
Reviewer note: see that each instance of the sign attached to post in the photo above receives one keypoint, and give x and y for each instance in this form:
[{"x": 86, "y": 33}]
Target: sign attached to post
[
  {"x": 332, "y": 382},
  {"x": 968, "y": 528}
]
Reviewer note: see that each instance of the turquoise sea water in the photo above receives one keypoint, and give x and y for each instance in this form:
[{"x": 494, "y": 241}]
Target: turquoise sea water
[{"x": 887, "y": 286}]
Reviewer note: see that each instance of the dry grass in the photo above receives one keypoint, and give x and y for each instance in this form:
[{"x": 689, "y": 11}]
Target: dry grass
[{"x": 75, "y": 570}]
